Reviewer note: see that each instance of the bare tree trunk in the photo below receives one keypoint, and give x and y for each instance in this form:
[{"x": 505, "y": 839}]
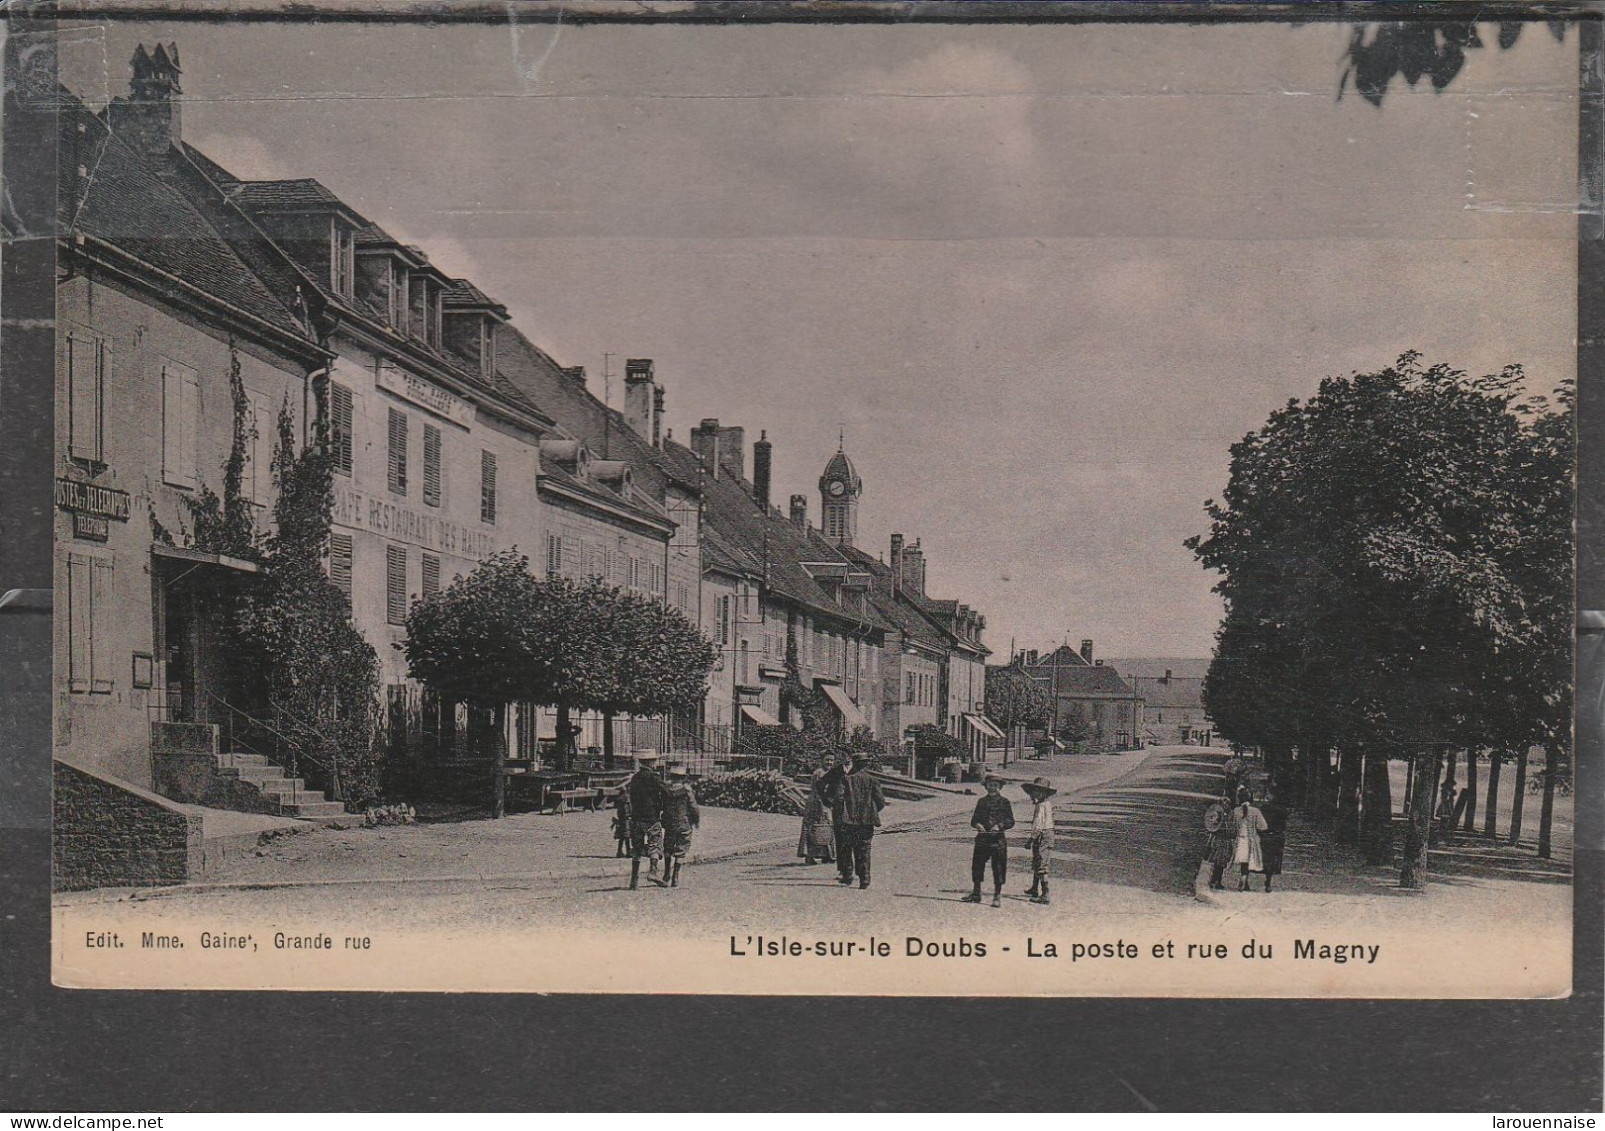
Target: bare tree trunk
[
  {"x": 1377, "y": 814},
  {"x": 498, "y": 761},
  {"x": 607, "y": 739},
  {"x": 1490, "y": 812},
  {"x": 1321, "y": 772},
  {"x": 1350, "y": 766},
  {"x": 1413, "y": 868},
  {"x": 1519, "y": 795},
  {"x": 1409, "y": 786},
  {"x": 1546, "y": 814},
  {"x": 565, "y": 739},
  {"x": 1468, "y": 796}
]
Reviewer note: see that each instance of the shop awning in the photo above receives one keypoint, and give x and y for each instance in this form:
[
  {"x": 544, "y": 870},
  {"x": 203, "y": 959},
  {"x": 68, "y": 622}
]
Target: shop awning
[
  {"x": 760, "y": 716},
  {"x": 985, "y": 726},
  {"x": 851, "y": 715}
]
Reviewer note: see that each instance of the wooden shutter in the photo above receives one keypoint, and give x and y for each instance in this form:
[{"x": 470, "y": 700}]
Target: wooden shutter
[
  {"x": 180, "y": 394},
  {"x": 487, "y": 487},
  {"x": 340, "y": 562},
  {"x": 398, "y": 451},
  {"x": 396, "y": 584},
  {"x": 78, "y": 623},
  {"x": 340, "y": 426},
  {"x": 100, "y": 606},
  {"x": 431, "y": 579},
  {"x": 431, "y": 465},
  {"x": 86, "y": 379},
  {"x": 554, "y": 555}
]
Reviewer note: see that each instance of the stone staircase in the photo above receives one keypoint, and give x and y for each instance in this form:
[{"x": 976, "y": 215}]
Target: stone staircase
[
  {"x": 192, "y": 766},
  {"x": 288, "y": 797}
]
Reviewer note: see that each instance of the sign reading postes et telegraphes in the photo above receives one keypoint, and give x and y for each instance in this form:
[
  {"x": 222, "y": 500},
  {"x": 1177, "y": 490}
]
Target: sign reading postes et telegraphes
[
  {"x": 86, "y": 498},
  {"x": 422, "y": 393},
  {"x": 368, "y": 512}
]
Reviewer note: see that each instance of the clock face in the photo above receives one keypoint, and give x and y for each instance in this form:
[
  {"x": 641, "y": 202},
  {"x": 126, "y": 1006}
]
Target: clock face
[{"x": 837, "y": 487}]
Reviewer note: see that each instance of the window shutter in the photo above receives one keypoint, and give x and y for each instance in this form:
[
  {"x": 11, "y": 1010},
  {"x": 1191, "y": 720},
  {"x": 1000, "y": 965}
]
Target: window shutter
[
  {"x": 431, "y": 580},
  {"x": 172, "y": 426},
  {"x": 100, "y": 605},
  {"x": 487, "y": 487},
  {"x": 396, "y": 584},
  {"x": 398, "y": 451},
  {"x": 340, "y": 426},
  {"x": 77, "y": 623},
  {"x": 340, "y": 562},
  {"x": 431, "y": 465},
  {"x": 554, "y": 556}
]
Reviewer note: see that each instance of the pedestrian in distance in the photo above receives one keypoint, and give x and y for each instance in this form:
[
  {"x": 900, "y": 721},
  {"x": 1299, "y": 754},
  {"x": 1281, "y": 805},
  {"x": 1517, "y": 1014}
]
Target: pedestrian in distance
[
  {"x": 1273, "y": 841},
  {"x": 1446, "y": 811},
  {"x": 992, "y": 820},
  {"x": 1039, "y": 791},
  {"x": 1250, "y": 822},
  {"x": 647, "y": 799},
  {"x": 1220, "y": 840},
  {"x": 1234, "y": 769},
  {"x": 856, "y": 802},
  {"x": 680, "y": 817},
  {"x": 818, "y": 838},
  {"x": 621, "y": 819}
]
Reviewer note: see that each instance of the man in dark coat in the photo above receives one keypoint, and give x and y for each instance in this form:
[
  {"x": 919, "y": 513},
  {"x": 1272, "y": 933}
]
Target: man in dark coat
[
  {"x": 648, "y": 796},
  {"x": 992, "y": 820},
  {"x": 856, "y": 802}
]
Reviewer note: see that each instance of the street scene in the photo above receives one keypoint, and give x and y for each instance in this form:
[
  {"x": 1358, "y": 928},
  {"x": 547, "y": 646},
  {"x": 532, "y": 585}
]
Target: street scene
[{"x": 544, "y": 524}]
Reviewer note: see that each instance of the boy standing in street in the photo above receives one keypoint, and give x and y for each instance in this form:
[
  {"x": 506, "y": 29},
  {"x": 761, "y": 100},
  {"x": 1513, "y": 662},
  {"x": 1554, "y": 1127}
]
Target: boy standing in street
[
  {"x": 1041, "y": 836},
  {"x": 992, "y": 820}
]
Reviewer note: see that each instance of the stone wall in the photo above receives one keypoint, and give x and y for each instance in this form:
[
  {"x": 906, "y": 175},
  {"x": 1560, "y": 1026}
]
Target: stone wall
[{"x": 110, "y": 834}]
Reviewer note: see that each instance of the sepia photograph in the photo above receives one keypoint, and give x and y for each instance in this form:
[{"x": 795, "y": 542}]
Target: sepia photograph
[{"x": 1031, "y": 510}]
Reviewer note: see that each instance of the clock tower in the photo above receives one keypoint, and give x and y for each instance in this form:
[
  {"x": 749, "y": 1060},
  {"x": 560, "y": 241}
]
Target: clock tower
[{"x": 839, "y": 489}]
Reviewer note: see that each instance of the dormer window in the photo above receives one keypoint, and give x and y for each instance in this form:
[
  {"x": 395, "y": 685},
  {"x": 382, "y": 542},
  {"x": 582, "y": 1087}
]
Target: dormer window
[{"x": 343, "y": 263}]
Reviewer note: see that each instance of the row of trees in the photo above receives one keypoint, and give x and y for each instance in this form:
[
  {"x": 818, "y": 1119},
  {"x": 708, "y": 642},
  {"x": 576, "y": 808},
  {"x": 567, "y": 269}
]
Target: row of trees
[
  {"x": 1396, "y": 562},
  {"x": 501, "y": 635}
]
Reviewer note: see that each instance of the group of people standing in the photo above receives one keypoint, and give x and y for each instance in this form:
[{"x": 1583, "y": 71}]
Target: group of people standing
[
  {"x": 992, "y": 820},
  {"x": 654, "y": 818},
  {"x": 840, "y": 817},
  {"x": 1237, "y": 832}
]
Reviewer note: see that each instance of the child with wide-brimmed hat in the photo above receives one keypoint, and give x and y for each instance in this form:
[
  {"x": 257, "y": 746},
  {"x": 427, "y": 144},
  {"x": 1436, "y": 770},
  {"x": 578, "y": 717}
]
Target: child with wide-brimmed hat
[{"x": 1039, "y": 791}]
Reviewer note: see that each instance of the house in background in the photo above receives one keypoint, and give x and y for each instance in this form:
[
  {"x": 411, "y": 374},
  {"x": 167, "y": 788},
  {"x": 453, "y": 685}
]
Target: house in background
[
  {"x": 1089, "y": 690},
  {"x": 1172, "y": 691}
]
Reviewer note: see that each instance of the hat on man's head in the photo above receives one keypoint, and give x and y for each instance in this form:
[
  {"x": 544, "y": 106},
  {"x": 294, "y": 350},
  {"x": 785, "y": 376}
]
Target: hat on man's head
[
  {"x": 678, "y": 770},
  {"x": 1039, "y": 785},
  {"x": 647, "y": 756},
  {"x": 860, "y": 755},
  {"x": 990, "y": 778}
]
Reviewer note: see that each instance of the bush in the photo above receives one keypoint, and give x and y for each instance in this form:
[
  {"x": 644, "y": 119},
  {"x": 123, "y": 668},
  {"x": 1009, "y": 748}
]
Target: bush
[{"x": 756, "y": 791}]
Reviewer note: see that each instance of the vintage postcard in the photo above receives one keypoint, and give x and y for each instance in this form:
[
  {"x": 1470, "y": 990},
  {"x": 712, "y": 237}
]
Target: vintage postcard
[{"x": 548, "y": 502}]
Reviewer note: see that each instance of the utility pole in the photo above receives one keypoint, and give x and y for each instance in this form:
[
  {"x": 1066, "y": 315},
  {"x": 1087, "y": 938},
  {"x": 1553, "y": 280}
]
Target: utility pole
[{"x": 607, "y": 403}]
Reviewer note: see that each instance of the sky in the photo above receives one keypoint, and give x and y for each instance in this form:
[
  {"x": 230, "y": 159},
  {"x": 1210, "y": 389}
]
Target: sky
[{"x": 1042, "y": 277}]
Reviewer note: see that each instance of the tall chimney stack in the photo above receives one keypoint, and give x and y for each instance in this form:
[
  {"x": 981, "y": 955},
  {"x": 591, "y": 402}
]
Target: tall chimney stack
[
  {"x": 640, "y": 398},
  {"x": 914, "y": 568},
  {"x": 705, "y": 443},
  {"x": 657, "y": 416},
  {"x": 762, "y": 460},
  {"x": 149, "y": 119},
  {"x": 897, "y": 562},
  {"x": 799, "y": 511},
  {"x": 1086, "y": 650},
  {"x": 733, "y": 451}
]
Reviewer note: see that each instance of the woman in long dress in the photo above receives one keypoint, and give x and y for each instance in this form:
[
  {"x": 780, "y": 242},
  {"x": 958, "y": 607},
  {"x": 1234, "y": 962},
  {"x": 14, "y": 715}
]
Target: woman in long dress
[
  {"x": 818, "y": 839},
  {"x": 1220, "y": 840},
  {"x": 1250, "y": 823}
]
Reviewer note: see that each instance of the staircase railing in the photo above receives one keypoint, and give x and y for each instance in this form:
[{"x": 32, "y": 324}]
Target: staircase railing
[{"x": 286, "y": 750}]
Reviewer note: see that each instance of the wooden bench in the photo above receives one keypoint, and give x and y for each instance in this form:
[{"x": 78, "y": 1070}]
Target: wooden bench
[{"x": 565, "y": 800}]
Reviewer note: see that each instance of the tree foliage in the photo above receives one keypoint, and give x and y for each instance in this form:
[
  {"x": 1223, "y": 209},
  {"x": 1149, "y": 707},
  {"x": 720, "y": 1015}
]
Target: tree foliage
[
  {"x": 1417, "y": 49},
  {"x": 1014, "y": 699},
  {"x": 1395, "y": 558},
  {"x": 502, "y": 635}
]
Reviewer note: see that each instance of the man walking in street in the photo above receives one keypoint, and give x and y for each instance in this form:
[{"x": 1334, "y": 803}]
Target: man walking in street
[
  {"x": 648, "y": 797},
  {"x": 680, "y": 817},
  {"x": 856, "y": 804}
]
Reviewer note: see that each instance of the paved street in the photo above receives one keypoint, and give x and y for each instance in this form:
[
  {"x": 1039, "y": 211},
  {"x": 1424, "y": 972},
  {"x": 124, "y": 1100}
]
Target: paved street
[{"x": 1125, "y": 867}]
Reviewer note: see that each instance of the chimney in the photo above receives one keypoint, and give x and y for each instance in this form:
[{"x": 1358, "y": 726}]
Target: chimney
[
  {"x": 733, "y": 451},
  {"x": 762, "y": 458},
  {"x": 799, "y": 511},
  {"x": 575, "y": 373},
  {"x": 640, "y": 398},
  {"x": 705, "y": 443},
  {"x": 1031, "y": 656},
  {"x": 897, "y": 562},
  {"x": 657, "y": 416},
  {"x": 914, "y": 567},
  {"x": 149, "y": 118},
  {"x": 1086, "y": 650},
  {"x": 1167, "y": 675}
]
